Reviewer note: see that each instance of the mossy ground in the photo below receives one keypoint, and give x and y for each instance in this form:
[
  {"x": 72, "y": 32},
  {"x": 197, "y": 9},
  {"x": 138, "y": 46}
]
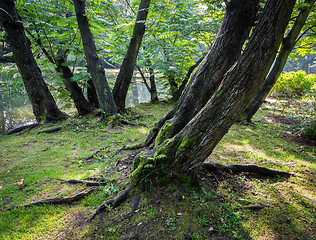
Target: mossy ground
[{"x": 216, "y": 211}]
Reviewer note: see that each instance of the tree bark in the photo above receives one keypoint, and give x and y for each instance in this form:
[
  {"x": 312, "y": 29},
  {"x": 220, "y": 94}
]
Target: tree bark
[
  {"x": 82, "y": 105},
  {"x": 287, "y": 46},
  {"x": 104, "y": 94},
  {"x": 43, "y": 103},
  {"x": 225, "y": 51},
  {"x": 125, "y": 75},
  {"x": 188, "y": 149}
]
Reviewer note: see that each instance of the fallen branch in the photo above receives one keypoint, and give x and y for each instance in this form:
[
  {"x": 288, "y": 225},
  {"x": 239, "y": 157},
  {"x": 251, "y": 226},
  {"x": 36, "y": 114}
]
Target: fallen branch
[
  {"x": 58, "y": 200},
  {"x": 112, "y": 203},
  {"x": 51, "y": 130},
  {"x": 88, "y": 183},
  {"x": 22, "y": 128},
  {"x": 250, "y": 168}
]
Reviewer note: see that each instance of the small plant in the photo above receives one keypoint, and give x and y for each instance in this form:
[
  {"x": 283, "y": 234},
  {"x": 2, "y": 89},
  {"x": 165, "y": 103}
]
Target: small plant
[
  {"x": 171, "y": 224},
  {"x": 308, "y": 129}
]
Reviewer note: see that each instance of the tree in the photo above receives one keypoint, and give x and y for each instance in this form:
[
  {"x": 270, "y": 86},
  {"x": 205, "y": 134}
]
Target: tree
[
  {"x": 55, "y": 41},
  {"x": 95, "y": 68},
  {"x": 125, "y": 75},
  {"x": 223, "y": 54},
  {"x": 287, "y": 46},
  {"x": 186, "y": 151},
  {"x": 43, "y": 103}
]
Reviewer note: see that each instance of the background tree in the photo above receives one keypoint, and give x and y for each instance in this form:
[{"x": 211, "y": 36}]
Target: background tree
[
  {"x": 287, "y": 46},
  {"x": 44, "y": 106},
  {"x": 125, "y": 75},
  {"x": 55, "y": 36},
  {"x": 95, "y": 67}
]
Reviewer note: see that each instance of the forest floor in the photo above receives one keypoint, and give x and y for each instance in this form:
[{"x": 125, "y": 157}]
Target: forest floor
[{"x": 227, "y": 206}]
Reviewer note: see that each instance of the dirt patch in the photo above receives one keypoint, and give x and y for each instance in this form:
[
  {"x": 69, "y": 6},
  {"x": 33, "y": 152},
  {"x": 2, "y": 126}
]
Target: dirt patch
[{"x": 283, "y": 120}]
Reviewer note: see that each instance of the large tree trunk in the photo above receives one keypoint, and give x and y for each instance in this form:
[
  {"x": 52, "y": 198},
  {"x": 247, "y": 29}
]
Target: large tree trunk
[
  {"x": 188, "y": 149},
  {"x": 125, "y": 75},
  {"x": 287, "y": 46},
  {"x": 95, "y": 68},
  {"x": 43, "y": 103},
  {"x": 226, "y": 49}
]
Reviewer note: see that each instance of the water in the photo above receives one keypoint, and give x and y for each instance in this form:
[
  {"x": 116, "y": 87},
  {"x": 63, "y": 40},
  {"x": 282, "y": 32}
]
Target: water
[{"x": 15, "y": 110}]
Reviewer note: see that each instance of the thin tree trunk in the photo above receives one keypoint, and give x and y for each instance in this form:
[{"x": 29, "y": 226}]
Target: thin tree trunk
[
  {"x": 188, "y": 149},
  {"x": 153, "y": 87},
  {"x": 95, "y": 68},
  {"x": 43, "y": 103},
  {"x": 225, "y": 51},
  {"x": 82, "y": 105},
  {"x": 287, "y": 46},
  {"x": 187, "y": 77},
  {"x": 125, "y": 75}
]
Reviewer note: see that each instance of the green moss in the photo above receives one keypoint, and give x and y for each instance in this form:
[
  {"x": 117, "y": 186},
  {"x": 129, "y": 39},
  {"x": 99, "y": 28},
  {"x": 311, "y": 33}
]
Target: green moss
[
  {"x": 164, "y": 133},
  {"x": 186, "y": 143}
]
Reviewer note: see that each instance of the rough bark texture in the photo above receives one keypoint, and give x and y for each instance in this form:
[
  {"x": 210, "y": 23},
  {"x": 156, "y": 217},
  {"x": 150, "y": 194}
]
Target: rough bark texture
[
  {"x": 104, "y": 94},
  {"x": 226, "y": 49},
  {"x": 195, "y": 142},
  {"x": 125, "y": 75},
  {"x": 287, "y": 46},
  {"x": 43, "y": 103}
]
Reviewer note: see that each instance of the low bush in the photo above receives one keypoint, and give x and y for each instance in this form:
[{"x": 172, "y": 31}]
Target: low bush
[{"x": 293, "y": 84}]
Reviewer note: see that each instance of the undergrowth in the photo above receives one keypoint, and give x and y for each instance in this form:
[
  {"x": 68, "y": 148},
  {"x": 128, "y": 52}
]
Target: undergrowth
[{"x": 224, "y": 206}]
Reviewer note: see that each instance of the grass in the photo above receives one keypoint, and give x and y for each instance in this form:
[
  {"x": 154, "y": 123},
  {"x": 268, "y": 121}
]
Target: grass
[{"x": 217, "y": 210}]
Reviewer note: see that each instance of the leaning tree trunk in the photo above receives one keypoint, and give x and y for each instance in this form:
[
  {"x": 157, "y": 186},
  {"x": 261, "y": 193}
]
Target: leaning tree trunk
[
  {"x": 95, "y": 68},
  {"x": 43, "y": 103},
  {"x": 125, "y": 75},
  {"x": 82, "y": 105},
  {"x": 226, "y": 49},
  {"x": 287, "y": 46},
  {"x": 188, "y": 149}
]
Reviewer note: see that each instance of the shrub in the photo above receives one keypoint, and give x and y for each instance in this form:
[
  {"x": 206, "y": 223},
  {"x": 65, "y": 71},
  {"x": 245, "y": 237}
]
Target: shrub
[
  {"x": 308, "y": 129},
  {"x": 293, "y": 84}
]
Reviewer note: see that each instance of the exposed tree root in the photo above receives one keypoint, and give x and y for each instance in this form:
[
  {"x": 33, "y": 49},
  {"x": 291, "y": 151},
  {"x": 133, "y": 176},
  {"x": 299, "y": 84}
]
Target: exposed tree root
[
  {"x": 92, "y": 155},
  {"x": 58, "y": 200},
  {"x": 23, "y": 128},
  {"x": 88, "y": 183},
  {"x": 51, "y": 130},
  {"x": 134, "y": 204},
  {"x": 250, "y": 168},
  {"x": 112, "y": 203}
]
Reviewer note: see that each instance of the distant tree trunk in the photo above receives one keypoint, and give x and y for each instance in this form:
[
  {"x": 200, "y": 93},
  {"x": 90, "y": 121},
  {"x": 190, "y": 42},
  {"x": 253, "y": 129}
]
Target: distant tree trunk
[
  {"x": 82, "y": 105},
  {"x": 187, "y": 77},
  {"x": 287, "y": 46},
  {"x": 43, "y": 103},
  {"x": 95, "y": 68},
  {"x": 92, "y": 94},
  {"x": 187, "y": 150},
  {"x": 125, "y": 75},
  {"x": 152, "y": 89},
  {"x": 225, "y": 51}
]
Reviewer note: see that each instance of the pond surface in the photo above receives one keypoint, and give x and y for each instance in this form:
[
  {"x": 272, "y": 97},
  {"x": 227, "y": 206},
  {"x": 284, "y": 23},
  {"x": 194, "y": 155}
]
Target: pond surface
[{"x": 16, "y": 109}]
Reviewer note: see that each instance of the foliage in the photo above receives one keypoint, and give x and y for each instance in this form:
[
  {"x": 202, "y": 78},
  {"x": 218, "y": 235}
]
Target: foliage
[{"x": 293, "y": 84}]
